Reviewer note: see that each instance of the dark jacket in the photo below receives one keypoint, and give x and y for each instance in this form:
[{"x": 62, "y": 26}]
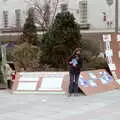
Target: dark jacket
[{"x": 79, "y": 64}]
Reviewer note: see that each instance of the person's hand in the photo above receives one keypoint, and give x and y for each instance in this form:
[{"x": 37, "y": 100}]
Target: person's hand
[{"x": 70, "y": 62}]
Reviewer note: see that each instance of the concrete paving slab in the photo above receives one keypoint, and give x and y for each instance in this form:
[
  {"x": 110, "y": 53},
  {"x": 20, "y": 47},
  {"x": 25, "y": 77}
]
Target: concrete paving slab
[{"x": 104, "y": 106}]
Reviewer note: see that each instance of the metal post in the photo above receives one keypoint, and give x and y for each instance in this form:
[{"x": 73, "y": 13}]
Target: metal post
[{"x": 116, "y": 15}]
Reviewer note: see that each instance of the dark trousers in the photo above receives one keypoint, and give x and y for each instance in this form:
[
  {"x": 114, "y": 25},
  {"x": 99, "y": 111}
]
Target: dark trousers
[
  {"x": 74, "y": 77},
  {"x": 9, "y": 83}
]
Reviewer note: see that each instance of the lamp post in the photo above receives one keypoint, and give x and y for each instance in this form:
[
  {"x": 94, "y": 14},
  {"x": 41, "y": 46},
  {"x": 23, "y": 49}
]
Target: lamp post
[
  {"x": 110, "y": 2},
  {"x": 109, "y": 17},
  {"x": 116, "y": 16}
]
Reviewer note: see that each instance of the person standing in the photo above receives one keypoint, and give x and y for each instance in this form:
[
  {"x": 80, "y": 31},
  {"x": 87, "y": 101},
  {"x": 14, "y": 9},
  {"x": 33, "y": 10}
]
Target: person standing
[{"x": 75, "y": 64}]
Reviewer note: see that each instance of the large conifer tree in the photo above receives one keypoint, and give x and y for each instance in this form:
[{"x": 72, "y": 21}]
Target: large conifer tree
[{"x": 63, "y": 37}]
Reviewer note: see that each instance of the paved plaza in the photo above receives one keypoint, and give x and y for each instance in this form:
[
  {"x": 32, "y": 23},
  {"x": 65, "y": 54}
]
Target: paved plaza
[{"x": 104, "y": 106}]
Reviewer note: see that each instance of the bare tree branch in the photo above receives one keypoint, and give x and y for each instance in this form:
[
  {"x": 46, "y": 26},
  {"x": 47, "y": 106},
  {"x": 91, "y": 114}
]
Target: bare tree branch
[
  {"x": 44, "y": 12},
  {"x": 57, "y": 2}
]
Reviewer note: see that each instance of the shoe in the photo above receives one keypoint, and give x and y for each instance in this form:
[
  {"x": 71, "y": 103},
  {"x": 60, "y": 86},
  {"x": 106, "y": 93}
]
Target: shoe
[
  {"x": 69, "y": 94},
  {"x": 76, "y": 94}
]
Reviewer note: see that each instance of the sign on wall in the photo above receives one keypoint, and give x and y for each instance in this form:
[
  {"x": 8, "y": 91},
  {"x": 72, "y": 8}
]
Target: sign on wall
[
  {"x": 111, "y": 43},
  {"x": 90, "y": 82},
  {"x": 37, "y": 82}
]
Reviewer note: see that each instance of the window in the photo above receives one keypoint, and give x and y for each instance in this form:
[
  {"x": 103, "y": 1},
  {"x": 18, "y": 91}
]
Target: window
[
  {"x": 18, "y": 18},
  {"x": 83, "y": 11},
  {"x": 5, "y": 18}
]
